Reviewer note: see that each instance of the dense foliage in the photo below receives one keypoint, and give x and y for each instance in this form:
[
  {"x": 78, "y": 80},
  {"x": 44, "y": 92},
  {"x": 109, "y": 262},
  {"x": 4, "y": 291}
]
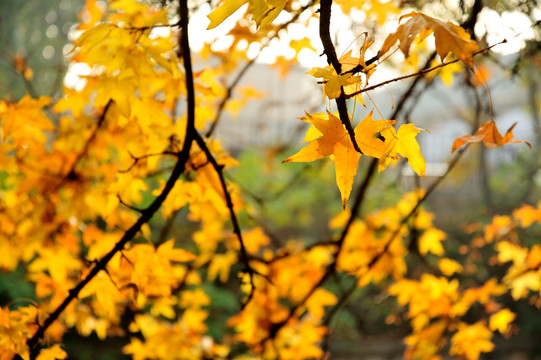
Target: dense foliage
[{"x": 127, "y": 228}]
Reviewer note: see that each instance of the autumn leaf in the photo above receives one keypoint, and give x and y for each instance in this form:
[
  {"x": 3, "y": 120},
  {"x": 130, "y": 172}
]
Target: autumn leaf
[
  {"x": 365, "y": 133},
  {"x": 336, "y": 141},
  {"x": 527, "y": 215},
  {"x": 221, "y": 265},
  {"x": 430, "y": 241},
  {"x": 523, "y": 283},
  {"x": 449, "y": 37},
  {"x": 263, "y": 11},
  {"x": 332, "y": 82},
  {"x": 52, "y": 353},
  {"x": 501, "y": 321},
  {"x": 167, "y": 251},
  {"x": 490, "y": 136},
  {"x": 225, "y": 10},
  {"x": 471, "y": 340},
  {"x": 403, "y": 142},
  {"x": 317, "y": 302},
  {"x": 449, "y": 267}
]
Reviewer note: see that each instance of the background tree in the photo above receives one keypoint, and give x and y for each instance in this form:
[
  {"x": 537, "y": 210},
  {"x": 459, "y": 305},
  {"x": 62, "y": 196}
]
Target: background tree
[{"x": 126, "y": 229}]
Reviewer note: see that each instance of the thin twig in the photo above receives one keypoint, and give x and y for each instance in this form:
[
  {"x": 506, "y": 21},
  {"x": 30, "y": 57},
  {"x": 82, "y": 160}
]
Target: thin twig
[
  {"x": 229, "y": 203},
  {"x": 136, "y": 159},
  {"x": 419, "y": 73}
]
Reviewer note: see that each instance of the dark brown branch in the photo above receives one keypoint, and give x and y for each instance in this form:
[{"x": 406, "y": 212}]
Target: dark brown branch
[
  {"x": 147, "y": 214},
  {"x": 331, "y": 269},
  {"x": 325, "y": 36},
  {"x": 229, "y": 203}
]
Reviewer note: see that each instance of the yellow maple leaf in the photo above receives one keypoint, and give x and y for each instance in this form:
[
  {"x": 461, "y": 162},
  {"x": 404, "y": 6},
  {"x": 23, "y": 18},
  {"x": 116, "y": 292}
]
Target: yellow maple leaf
[
  {"x": 446, "y": 73},
  {"x": 225, "y": 10},
  {"x": 60, "y": 263},
  {"x": 508, "y": 251},
  {"x": 196, "y": 298},
  {"x": 501, "y": 321},
  {"x": 403, "y": 142},
  {"x": 449, "y": 37},
  {"x": 365, "y": 133},
  {"x": 336, "y": 141},
  {"x": 52, "y": 353},
  {"x": 25, "y": 118},
  {"x": 317, "y": 302},
  {"x": 430, "y": 241},
  {"x": 263, "y": 11},
  {"x": 332, "y": 81},
  {"x": 521, "y": 284},
  {"x": 471, "y": 340},
  {"x": 255, "y": 239},
  {"x": 221, "y": 265},
  {"x": 448, "y": 267},
  {"x": 167, "y": 251}
]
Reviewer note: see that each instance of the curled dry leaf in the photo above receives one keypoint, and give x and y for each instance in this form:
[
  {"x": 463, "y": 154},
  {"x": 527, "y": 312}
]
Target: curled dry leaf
[
  {"x": 490, "y": 136},
  {"x": 449, "y": 37}
]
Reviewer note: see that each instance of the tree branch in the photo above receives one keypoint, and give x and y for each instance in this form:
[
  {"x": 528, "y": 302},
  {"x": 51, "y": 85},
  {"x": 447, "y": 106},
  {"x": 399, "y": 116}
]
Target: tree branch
[
  {"x": 147, "y": 213},
  {"x": 229, "y": 203},
  {"x": 325, "y": 36},
  {"x": 419, "y": 73}
]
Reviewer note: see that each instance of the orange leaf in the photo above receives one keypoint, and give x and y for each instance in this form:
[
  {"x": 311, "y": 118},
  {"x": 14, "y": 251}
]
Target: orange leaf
[
  {"x": 449, "y": 37},
  {"x": 488, "y": 133}
]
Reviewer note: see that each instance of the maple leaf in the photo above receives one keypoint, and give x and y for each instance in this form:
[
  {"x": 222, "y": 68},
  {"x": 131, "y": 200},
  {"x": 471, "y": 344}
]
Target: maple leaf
[
  {"x": 317, "y": 302},
  {"x": 527, "y": 215},
  {"x": 449, "y": 37},
  {"x": 430, "y": 241},
  {"x": 336, "y": 141},
  {"x": 471, "y": 340},
  {"x": 448, "y": 267},
  {"x": 167, "y": 251},
  {"x": 403, "y": 142},
  {"x": 501, "y": 321},
  {"x": 263, "y": 11},
  {"x": 52, "y": 353},
  {"x": 221, "y": 265},
  {"x": 490, "y": 136},
  {"x": 332, "y": 81},
  {"x": 521, "y": 284},
  {"x": 224, "y": 11}
]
